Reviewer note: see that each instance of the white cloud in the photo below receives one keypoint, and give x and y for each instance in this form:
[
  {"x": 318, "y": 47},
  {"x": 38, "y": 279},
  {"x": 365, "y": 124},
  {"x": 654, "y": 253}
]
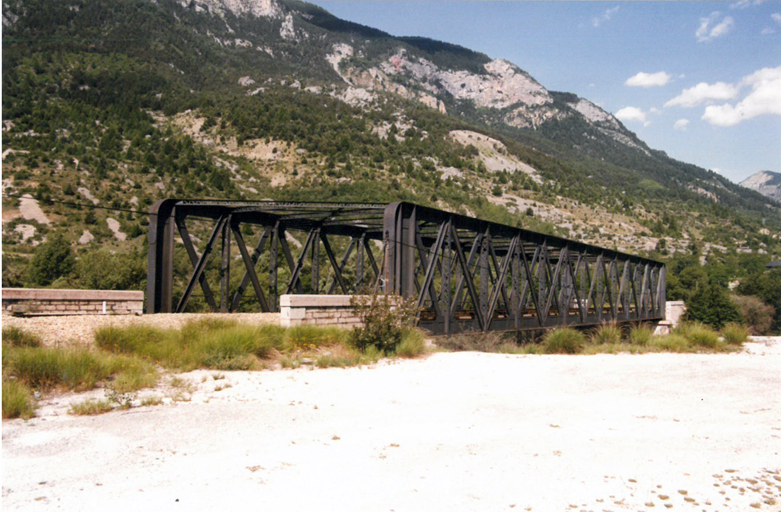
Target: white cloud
[
  {"x": 714, "y": 26},
  {"x": 744, "y": 4},
  {"x": 681, "y": 125},
  {"x": 764, "y": 99},
  {"x": 649, "y": 79},
  {"x": 703, "y": 92},
  {"x": 655, "y": 110},
  {"x": 767, "y": 31},
  {"x": 632, "y": 114},
  {"x": 776, "y": 16},
  {"x": 605, "y": 16}
]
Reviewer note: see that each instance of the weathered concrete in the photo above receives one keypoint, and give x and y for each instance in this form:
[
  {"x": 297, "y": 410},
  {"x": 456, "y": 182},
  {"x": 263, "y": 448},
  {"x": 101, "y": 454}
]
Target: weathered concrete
[
  {"x": 317, "y": 310},
  {"x": 43, "y": 302}
]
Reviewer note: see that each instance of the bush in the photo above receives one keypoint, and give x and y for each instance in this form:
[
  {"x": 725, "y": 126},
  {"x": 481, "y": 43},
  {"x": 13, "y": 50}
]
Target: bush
[
  {"x": 17, "y": 400},
  {"x": 606, "y": 334},
  {"x": 384, "y": 318},
  {"x": 102, "y": 270},
  {"x": 757, "y": 315},
  {"x": 735, "y": 334},
  {"x": 52, "y": 260},
  {"x": 711, "y": 305},
  {"x": 563, "y": 341},
  {"x": 698, "y": 334},
  {"x": 16, "y": 337},
  {"x": 640, "y": 335}
]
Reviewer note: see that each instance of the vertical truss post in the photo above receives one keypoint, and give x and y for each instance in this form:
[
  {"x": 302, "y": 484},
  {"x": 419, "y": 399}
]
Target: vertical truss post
[
  {"x": 273, "y": 292},
  {"x": 316, "y": 263},
  {"x": 199, "y": 268},
  {"x": 447, "y": 267},
  {"x": 485, "y": 279},
  {"x": 160, "y": 267},
  {"x": 359, "y": 261},
  {"x": 225, "y": 268}
]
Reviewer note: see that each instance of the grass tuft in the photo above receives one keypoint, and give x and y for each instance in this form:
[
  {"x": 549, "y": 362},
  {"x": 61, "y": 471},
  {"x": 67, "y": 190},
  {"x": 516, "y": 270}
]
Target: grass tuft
[
  {"x": 563, "y": 341},
  {"x": 734, "y": 334},
  {"x": 91, "y": 407},
  {"x": 16, "y": 337},
  {"x": 671, "y": 343},
  {"x": 17, "y": 400},
  {"x": 640, "y": 335},
  {"x": 413, "y": 343},
  {"x": 606, "y": 334},
  {"x": 698, "y": 334}
]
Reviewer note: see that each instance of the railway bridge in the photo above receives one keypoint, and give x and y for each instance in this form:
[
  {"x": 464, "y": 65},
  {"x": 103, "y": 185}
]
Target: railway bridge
[{"x": 466, "y": 274}]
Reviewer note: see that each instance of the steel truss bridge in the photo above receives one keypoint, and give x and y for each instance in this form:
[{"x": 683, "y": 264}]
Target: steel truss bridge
[{"x": 466, "y": 274}]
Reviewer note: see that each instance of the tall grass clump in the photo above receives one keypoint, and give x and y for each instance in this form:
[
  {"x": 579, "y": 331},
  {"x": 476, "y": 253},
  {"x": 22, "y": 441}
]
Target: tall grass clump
[
  {"x": 413, "y": 343},
  {"x": 75, "y": 369},
  {"x": 563, "y": 341},
  {"x": 735, "y": 334},
  {"x": 478, "y": 341},
  {"x": 606, "y": 334},
  {"x": 698, "y": 334},
  {"x": 17, "y": 400},
  {"x": 670, "y": 343},
  {"x": 640, "y": 335},
  {"x": 217, "y": 343},
  {"x": 16, "y": 337}
]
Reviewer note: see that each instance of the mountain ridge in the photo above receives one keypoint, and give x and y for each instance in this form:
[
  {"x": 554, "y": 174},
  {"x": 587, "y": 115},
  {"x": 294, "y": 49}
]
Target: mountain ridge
[{"x": 133, "y": 100}]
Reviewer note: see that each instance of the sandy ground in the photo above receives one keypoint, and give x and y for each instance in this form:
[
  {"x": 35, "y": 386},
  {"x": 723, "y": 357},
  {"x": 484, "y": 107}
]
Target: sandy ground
[{"x": 453, "y": 431}]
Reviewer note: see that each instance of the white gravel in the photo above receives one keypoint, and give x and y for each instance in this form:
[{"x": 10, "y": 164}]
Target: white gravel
[{"x": 461, "y": 431}]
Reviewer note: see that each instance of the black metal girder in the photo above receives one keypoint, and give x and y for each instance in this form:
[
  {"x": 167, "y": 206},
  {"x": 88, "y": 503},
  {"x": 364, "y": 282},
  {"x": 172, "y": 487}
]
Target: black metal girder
[{"x": 465, "y": 273}]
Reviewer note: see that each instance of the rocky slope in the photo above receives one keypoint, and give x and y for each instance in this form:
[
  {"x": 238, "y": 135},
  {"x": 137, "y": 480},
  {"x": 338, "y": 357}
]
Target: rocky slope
[{"x": 767, "y": 183}]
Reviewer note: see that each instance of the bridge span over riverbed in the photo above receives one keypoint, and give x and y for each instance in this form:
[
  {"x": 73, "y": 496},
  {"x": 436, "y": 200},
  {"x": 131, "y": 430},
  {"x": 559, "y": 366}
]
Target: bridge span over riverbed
[{"x": 465, "y": 273}]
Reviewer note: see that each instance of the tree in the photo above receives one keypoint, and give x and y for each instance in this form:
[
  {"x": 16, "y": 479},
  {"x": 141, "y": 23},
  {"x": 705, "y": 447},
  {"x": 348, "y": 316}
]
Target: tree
[
  {"x": 54, "y": 259},
  {"x": 711, "y": 305}
]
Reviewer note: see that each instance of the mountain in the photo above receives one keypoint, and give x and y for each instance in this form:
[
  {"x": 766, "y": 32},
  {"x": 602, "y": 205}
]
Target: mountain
[
  {"x": 113, "y": 105},
  {"x": 767, "y": 183}
]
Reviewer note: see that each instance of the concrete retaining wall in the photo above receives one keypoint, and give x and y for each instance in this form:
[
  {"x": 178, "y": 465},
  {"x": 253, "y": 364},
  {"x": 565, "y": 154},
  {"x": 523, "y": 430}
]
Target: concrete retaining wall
[
  {"x": 674, "y": 310},
  {"x": 43, "y": 302},
  {"x": 317, "y": 310}
]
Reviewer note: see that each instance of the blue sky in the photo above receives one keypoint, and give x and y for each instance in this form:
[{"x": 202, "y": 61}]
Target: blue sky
[{"x": 699, "y": 80}]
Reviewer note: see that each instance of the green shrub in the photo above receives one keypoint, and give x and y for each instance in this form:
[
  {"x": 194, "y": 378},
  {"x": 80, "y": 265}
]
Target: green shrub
[
  {"x": 563, "y": 341},
  {"x": 757, "y": 315},
  {"x": 698, "y": 334},
  {"x": 735, "y": 334},
  {"x": 17, "y": 400},
  {"x": 16, "y": 337},
  {"x": 53, "y": 259},
  {"x": 640, "y": 335},
  {"x": 606, "y": 334},
  {"x": 383, "y": 319}
]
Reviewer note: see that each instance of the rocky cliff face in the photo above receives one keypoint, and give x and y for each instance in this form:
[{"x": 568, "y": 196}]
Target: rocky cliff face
[{"x": 767, "y": 183}]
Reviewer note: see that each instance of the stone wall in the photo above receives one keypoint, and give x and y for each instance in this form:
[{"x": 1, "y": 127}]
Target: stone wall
[
  {"x": 317, "y": 310},
  {"x": 43, "y": 302}
]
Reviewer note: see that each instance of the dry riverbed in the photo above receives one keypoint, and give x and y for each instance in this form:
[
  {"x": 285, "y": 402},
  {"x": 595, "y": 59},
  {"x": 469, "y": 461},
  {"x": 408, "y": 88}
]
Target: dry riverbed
[{"x": 452, "y": 431}]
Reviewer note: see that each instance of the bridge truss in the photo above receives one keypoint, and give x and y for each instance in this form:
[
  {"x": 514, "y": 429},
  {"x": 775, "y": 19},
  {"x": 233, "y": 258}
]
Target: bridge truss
[{"x": 465, "y": 273}]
